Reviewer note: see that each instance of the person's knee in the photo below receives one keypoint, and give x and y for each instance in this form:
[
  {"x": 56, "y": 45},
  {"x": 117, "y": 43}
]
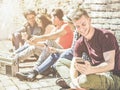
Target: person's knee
[
  {"x": 37, "y": 50},
  {"x": 96, "y": 81},
  {"x": 59, "y": 63},
  {"x": 32, "y": 48},
  {"x": 16, "y": 35},
  {"x": 68, "y": 54}
]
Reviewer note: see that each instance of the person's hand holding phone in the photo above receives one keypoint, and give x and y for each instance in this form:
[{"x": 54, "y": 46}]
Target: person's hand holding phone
[
  {"x": 79, "y": 60},
  {"x": 82, "y": 66}
]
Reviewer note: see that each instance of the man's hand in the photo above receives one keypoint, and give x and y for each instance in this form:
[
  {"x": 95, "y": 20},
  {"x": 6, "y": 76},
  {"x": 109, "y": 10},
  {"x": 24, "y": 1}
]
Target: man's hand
[
  {"x": 24, "y": 35},
  {"x": 53, "y": 50},
  {"x": 85, "y": 68},
  {"x": 35, "y": 39},
  {"x": 31, "y": 43}
]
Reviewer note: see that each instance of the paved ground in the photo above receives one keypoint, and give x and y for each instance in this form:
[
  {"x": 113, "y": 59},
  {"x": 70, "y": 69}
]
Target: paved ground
[{"x": 12, "y": 83}]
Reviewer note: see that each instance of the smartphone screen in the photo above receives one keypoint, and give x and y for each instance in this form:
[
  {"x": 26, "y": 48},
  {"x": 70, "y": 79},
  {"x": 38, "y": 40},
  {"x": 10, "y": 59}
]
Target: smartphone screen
[{"x": 81, "y": 62}]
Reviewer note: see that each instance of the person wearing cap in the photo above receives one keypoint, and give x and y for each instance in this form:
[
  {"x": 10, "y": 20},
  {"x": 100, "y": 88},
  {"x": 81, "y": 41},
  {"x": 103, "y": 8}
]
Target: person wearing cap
[
  {"x": 64, "y": 35},
  {"x": 102, "y": 71}
]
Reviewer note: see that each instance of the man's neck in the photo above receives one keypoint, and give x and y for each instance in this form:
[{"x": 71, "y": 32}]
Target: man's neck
[
  {"x": 59, "y": 24},
  {"x": 32, "y": 24},
  {"x": 91, "y": 33}
]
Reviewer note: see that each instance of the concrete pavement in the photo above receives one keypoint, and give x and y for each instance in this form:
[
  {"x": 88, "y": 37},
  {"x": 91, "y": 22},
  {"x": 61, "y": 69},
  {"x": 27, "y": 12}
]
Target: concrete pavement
[{"x": 13, "y": 83}]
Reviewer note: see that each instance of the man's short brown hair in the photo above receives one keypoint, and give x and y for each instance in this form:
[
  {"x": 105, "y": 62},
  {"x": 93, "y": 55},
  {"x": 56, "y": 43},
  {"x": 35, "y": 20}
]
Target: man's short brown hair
[
  {"x": 28, "y": 12},
  {"x": 58, "y": 13},
  {"x": 75, "y": 14}
]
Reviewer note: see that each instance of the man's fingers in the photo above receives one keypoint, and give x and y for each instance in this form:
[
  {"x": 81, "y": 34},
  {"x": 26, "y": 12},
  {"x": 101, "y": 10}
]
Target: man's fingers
[{"x": 87, "y": 62}]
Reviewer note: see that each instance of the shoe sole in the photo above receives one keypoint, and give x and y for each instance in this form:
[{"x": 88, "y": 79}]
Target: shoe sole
[
  {"x": 31, "y": 79},
  {"x": 60, "y": 82},
  {"x": 20, "y": 77}
]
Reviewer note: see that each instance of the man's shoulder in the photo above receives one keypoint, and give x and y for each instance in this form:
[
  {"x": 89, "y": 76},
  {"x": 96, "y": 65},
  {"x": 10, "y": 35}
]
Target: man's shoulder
[
  {"x": 66, "y": 27},
  {"x": 105, "y": 30}
]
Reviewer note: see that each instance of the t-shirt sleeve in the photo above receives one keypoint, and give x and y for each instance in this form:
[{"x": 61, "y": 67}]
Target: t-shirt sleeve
[{"x": 108, "y": 42}]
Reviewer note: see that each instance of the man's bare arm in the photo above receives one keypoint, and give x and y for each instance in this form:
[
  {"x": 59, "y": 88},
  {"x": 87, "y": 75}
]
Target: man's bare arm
[
  {"x": 108, "y": 64},
  {"x": 51, "y": 36},
  {"x": 73, "y": 71}
]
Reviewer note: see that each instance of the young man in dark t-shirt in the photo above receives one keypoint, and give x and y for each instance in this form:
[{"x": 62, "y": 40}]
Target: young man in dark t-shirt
[
  {"x": 101, "y": 42},
  {"x": 101, "y": 72}
]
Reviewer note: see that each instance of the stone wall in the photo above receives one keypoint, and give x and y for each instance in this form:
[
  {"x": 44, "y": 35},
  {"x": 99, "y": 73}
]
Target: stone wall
[{"x": 104, "y": 13}]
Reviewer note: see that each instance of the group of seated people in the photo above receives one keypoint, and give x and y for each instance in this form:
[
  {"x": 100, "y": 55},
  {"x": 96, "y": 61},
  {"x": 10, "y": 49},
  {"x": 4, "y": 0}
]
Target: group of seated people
[{"x": 85, "y": 57}]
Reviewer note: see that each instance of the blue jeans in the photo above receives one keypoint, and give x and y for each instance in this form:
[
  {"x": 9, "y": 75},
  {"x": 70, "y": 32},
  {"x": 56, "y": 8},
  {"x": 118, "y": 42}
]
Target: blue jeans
[
  {"x": 50, "y": 61},
  {"x": 20, "y": 49},
  {"x": 68, "y": 54}
]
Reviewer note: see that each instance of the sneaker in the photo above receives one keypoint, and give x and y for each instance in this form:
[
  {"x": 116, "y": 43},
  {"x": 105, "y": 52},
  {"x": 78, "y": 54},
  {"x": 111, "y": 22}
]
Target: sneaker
[
  {"x": 32, "y": 76},
  {"x": 21, "y": 76},
  {"x": 11, "y": 50},
  {"x": 60, "y": 82}
]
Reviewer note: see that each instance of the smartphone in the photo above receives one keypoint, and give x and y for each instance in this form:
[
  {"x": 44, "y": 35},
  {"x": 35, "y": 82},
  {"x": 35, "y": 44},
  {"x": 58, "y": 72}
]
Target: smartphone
[
  {"x": 45, "y": 44},
  {"x": 80, "y": 60}
]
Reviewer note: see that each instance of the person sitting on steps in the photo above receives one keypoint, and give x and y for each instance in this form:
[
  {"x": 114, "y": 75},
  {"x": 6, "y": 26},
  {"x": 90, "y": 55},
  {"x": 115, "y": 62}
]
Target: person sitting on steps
[
  {"x": 63, "y": 33},
  {"x": 30, "y": 28},
  {"x": 102, "y": 71}
]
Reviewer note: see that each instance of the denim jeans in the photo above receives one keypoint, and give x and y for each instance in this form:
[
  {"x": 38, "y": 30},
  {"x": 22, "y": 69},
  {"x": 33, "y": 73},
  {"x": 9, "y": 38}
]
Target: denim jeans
[
  {"x": 50, "y": 61},
  {"x": 68, "y": 54},
  {"x": 22, "y": 48},
  {"x": 27, "y": 51},
  {"x": 46, "y": 54},
  {"x": 47, "y": 63}
]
